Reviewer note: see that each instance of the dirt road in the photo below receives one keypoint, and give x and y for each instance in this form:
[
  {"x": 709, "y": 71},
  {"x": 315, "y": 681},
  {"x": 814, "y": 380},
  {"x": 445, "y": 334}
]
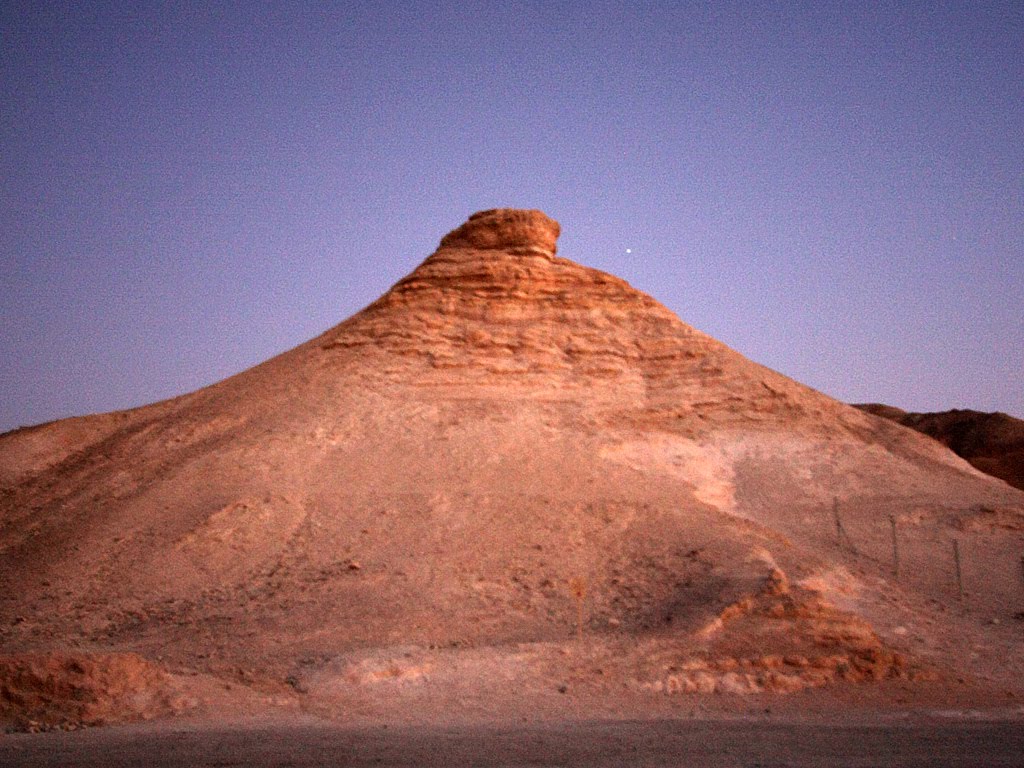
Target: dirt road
[{"x": 935, "y": 744}]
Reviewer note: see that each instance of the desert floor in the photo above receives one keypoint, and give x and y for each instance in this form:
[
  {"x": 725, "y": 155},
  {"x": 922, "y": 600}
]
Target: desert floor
[{"x": 936, "y": 739}]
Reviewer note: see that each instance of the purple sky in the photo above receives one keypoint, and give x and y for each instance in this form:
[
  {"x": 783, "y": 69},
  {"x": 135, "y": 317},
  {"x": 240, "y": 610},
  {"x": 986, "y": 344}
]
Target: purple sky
[{"x": 835, "y": 190}]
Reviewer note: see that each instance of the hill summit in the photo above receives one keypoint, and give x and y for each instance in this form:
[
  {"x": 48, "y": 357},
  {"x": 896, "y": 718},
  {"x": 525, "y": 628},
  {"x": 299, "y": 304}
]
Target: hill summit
[{"x": 510, "y": 469}]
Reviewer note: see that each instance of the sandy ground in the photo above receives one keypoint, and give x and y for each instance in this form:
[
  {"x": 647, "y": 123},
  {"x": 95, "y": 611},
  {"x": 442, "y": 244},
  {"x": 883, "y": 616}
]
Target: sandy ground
[{"x": 932, "y": 740}]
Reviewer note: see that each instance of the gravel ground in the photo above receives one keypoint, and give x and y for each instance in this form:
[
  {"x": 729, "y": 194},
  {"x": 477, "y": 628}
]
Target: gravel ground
[{"x": 934, "y": 744}]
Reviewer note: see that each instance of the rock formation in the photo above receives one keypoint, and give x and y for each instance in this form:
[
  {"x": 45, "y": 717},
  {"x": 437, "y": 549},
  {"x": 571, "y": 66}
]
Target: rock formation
[{"x": 504, "y": 444}]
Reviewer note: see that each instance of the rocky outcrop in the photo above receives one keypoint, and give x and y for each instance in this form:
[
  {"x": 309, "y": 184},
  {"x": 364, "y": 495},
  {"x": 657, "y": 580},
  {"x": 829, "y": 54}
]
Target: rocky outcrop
[
  {"x": 494, "y": 307},
  {"x": 506, "y": 229},
  {"x": 40, "y": 691},
  {"x": 495, "y": 298}
]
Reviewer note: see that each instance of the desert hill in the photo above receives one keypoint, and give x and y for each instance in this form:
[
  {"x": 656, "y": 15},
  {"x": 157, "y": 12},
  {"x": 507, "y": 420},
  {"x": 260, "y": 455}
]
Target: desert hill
[
  {"x": 509, "y": 473},
  {"x": 991, "y": 442}
]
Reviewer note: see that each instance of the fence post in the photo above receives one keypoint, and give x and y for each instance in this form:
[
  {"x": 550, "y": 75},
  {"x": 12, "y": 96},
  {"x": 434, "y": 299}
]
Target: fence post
[
  {"x": 895, "y": 548},
  {"x": 959, "y": 572},
  {"x": 841, "y": 534},
  {"x": 835, "y": 517},
  {"x": 578, "y": 586}
]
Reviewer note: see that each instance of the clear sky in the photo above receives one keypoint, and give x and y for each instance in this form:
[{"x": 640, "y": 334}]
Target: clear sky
[{"x": 836, "y": 190}]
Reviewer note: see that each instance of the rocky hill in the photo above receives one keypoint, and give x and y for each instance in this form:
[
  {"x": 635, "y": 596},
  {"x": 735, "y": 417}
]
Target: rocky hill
[{"x": 510, "y": 479}]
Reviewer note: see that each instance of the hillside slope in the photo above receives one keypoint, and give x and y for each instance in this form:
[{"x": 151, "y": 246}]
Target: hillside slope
[
  {"x": 506, "y": 458},
  {"x": 991, "y": 442}
]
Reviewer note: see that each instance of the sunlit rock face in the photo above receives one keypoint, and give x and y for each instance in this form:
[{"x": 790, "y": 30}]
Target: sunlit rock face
[
  {"x": 493, "y": 306},
  {"x": 506, "y": 229}
]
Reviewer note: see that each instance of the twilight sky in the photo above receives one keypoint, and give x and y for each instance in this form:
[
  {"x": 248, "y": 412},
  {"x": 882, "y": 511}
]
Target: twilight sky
[{"x": 836, "y": 190}]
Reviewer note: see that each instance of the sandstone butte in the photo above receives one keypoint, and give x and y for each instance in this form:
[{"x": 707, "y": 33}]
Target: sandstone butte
[{"x": 510, "y": 483}]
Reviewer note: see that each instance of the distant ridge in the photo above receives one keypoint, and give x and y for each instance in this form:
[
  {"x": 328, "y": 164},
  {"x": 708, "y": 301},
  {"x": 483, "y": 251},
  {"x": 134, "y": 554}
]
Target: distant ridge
[{"x": 991, "y": 442}]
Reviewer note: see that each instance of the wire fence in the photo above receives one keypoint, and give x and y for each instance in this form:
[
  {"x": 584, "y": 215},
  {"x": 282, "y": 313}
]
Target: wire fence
[{"x": 972, "y": 558}]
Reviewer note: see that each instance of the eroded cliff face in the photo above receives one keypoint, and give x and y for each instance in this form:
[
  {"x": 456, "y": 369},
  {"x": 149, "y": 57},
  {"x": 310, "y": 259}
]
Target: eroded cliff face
[
  {"x": 495, "y": 298},
  {"x": 495, "y": 310}
]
